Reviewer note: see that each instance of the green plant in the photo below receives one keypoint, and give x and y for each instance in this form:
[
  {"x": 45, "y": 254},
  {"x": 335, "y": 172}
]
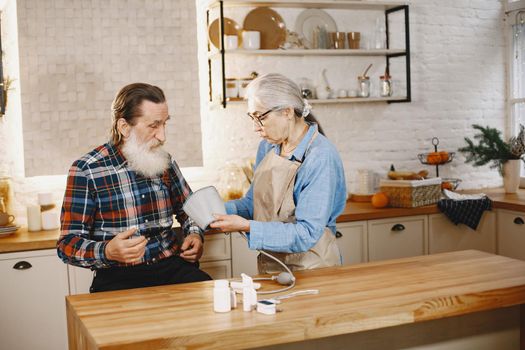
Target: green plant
[{"x": 492, "y": 149}]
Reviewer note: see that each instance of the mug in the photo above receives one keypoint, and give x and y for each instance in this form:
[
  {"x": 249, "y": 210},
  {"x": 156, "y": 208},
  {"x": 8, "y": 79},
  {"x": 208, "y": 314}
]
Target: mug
[
  {"x": 6, "y": 219},
  {"x": 231, "y": 42},
  {"x": 251, "y": 39}
]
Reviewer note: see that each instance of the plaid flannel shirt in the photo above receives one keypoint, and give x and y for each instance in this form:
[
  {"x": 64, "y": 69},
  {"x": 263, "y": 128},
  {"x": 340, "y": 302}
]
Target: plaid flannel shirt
[{"x": 104, "y": 197}]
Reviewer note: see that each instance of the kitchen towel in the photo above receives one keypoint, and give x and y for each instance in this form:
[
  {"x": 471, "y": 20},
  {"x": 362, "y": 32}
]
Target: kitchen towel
[{"x": 464, "y": 209}]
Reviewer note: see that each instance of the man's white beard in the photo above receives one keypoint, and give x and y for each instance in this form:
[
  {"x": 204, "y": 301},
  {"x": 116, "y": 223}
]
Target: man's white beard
[{"x": 148, "y": 159}]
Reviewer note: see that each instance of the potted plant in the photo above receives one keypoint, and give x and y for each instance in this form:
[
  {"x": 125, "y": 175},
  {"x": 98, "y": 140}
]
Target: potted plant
[{"x": 492, "y": 149}]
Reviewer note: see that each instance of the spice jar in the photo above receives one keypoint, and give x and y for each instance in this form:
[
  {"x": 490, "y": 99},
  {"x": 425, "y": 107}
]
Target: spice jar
[
  {"x": 6, "y": 194},
  {"x": 364, "y": 86},
  {"x": 385, "y": 85}
]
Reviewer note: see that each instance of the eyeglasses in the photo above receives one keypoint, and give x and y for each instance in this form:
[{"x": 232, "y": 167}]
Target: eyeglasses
[{"x": 258, "y": 118}]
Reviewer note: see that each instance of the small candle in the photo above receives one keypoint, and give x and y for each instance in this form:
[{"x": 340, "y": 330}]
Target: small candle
[
  {"x": 34, "y": 222},
  {"x": 50, "y": 220}
]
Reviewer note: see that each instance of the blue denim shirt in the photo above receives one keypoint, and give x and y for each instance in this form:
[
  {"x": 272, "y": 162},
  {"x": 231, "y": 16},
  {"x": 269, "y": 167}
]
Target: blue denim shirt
[{"x": 319, "y": 195}]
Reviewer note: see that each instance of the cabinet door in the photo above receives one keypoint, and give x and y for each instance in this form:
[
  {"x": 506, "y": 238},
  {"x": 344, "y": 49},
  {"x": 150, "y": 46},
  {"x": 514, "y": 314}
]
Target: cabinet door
[
  {"x": 397, "y": 238},
  {"x": 244, "y": 260},
  {"x": 217, "y": 269},
  {"x": 80, "y": 279},
  {"x": 444, "y": 236},
  {"x": 511, "y": 233},
  {"x": 352, "y": 242},
  {"x": 216, "y": 247},
  {"x": 33, "y": 308}
]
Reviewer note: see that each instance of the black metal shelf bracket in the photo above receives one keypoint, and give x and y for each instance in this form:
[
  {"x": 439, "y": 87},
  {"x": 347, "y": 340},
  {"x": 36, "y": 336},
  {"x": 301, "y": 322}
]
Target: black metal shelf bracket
[{"x": 406, "y": 54}]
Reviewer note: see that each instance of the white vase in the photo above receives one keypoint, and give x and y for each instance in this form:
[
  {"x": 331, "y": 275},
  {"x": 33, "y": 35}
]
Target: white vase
[{"x": 511, "y": 175}]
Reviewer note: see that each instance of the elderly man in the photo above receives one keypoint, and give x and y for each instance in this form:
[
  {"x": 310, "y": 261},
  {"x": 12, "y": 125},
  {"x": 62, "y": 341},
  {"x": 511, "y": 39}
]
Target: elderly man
[{"x": 120, "y": 200}]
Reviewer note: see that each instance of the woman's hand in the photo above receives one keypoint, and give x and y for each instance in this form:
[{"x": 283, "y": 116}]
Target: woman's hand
[{"x": 230, "y": 223}]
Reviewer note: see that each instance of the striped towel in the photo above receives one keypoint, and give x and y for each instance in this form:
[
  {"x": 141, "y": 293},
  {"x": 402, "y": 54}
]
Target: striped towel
[{"x": 466, "y": 210}]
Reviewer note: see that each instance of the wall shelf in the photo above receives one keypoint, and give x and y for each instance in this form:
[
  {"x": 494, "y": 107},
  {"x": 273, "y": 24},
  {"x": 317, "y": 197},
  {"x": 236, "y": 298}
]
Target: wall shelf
[
  {"x": 316, "y": 52},
  {"x": 388, "y": 53},
  {"x": 331, "y": 101}
]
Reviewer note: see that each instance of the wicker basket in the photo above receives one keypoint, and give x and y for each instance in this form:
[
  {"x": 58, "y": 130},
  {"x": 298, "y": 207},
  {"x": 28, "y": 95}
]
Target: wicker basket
[{"x": 411, "y": 193}]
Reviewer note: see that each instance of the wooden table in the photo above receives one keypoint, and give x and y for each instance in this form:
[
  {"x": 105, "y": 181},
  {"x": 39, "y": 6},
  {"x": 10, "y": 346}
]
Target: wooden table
[{"x": 352, "y": 299}]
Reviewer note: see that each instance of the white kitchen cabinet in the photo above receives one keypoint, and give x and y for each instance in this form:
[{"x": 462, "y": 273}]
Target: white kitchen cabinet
[
  {"x": 217, "y": 269},
  {"x": 216, "y": 247},
  {"x": 244, "y": 260},
  {"x": 32, "y": 307},
  {"x": 444, "y": 236},
  {"x": 80, "y": 279},
  {"x": 216, "y": 259},
  {"x": 352, "y": 242},
  {"x": 511, "y": 233},
  {"x": 397, "y": 238}
]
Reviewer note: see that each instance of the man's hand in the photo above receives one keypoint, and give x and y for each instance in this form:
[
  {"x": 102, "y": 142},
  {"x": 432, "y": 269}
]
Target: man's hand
[
  {"x": 123, "y": 249},
  {"x": 192, "y": 248},
  {"x": 230, "y": 223}
]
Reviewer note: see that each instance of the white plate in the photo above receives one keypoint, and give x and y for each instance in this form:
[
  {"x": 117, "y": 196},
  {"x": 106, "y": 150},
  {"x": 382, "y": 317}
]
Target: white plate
[{"x": 309, "y": 19}]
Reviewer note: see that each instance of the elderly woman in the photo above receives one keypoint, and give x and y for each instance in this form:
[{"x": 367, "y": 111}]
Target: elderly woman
[{"x": 298, "y": 188}]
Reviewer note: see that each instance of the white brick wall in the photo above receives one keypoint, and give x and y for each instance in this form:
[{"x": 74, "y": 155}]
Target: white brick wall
[
  {"x": 76, "y": 54},
  {"x": 458, "y": 78}
]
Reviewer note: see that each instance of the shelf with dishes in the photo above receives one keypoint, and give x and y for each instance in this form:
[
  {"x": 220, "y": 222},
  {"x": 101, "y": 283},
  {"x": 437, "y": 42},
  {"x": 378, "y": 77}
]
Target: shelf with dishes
[
  {"x": 311, "y": 52},
  {"x": 315, "y": 33},
  {"x": 315, "y": 4}
]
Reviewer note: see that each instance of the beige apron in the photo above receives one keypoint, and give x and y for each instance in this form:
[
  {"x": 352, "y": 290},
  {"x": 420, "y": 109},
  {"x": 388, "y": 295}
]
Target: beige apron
[{"x": 273, "y": 185}]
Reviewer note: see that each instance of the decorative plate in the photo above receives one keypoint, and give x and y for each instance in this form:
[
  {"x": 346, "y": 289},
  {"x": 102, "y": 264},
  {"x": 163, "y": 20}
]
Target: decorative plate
[
  {"x": 310, "y": 19},
  {"x": 230, "y": 28},
  {"x": 270, "y": 24}
]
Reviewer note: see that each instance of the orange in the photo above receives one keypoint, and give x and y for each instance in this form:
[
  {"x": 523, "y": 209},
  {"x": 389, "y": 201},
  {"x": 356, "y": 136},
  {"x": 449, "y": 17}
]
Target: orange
[
  {"x": 444, "y": 156},
  {"x": 447, "y": 186},
  {"x": 379, "y": 200},
  {"x": 434, "y": 158}
]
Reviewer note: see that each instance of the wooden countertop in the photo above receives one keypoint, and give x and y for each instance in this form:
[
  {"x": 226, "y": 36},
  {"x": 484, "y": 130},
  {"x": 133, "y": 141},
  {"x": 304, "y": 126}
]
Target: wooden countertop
[
  {"x": 351, "y": 299},
  {"x": 24, "y": 240},
  {"x": 356, "y": 211}
]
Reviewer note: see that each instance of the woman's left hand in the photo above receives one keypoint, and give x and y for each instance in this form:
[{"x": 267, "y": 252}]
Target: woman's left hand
[{"x": 230, "y": 223}]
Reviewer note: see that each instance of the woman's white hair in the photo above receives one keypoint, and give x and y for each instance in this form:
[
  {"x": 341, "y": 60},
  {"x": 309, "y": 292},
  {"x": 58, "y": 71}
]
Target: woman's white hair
[{"x": 275, "y": 90}]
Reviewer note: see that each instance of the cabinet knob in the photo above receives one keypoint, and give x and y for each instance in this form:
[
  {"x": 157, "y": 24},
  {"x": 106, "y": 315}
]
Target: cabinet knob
[
  {"x": 338, "y": 234},
  {"x": 398, "y": 228},
  {"x": 22, "y": 265},
  {"x": 519, "y": 221}
]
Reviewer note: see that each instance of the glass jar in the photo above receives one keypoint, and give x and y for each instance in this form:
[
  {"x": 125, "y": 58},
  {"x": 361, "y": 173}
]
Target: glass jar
[
  {"x": 233, "y": 183},
  {"x": 364, "y": 86},
  {"x": 385, "y": 86},
  {"x": 6, "y": 195}
]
